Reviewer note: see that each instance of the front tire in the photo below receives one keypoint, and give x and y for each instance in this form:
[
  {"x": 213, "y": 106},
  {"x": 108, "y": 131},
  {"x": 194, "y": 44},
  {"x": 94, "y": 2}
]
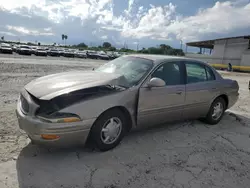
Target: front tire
[
  {"x": 109, "y": 129},
  {"x": 216, "y": 111}
]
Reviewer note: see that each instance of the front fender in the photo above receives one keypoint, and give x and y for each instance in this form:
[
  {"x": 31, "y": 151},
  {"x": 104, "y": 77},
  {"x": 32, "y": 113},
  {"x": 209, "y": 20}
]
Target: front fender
[{"x": 93, "y": 108}]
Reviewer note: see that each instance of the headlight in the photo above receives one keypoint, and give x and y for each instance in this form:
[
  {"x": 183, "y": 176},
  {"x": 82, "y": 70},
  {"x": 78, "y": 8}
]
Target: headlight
[{"x": 60, "y": 118}]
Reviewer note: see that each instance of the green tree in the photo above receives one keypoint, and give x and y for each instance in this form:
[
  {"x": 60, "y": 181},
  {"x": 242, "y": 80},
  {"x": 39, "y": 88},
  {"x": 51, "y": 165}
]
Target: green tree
[
  {"x": 2, "y": 38},
  {"x": 153, "y": 50},
  {"x": 106, "y": 45},
  {"x": 165, "y": 48},
  {"x": 82, "y": 45},
  {"x": 112, "y": 48}
]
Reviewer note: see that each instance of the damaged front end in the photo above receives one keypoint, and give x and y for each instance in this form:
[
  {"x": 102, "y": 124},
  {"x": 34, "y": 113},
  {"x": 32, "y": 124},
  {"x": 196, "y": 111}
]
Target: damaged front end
[{"x": 48, "y": 110}]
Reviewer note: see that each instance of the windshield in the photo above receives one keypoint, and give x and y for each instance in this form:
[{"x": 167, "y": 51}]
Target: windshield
[
  {"x": 27, "y": 47},
  {"x": 5, "y": 45},
  {"x": 132, "y": 68}
]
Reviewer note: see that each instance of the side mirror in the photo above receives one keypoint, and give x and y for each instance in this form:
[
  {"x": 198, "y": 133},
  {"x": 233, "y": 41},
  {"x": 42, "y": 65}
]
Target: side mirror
[{"x": 156, "y": 82}]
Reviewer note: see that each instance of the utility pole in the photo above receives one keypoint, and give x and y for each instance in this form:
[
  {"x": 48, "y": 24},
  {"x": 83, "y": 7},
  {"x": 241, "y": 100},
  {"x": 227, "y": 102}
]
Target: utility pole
[
  {"x": 181, "y": 44},
  {"x": 137, "y": 47}
]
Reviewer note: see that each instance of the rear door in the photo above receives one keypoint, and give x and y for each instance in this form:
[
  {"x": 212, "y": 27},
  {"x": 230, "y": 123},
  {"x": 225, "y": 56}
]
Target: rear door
[
  {"x": 200, "y": 89},
  {"x": 162, "y": 104}
]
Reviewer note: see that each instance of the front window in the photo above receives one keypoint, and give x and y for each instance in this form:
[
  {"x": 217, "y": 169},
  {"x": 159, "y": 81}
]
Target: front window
[
  {"x": 169, "y": 72},
  {"x": 134, "y": 69}
]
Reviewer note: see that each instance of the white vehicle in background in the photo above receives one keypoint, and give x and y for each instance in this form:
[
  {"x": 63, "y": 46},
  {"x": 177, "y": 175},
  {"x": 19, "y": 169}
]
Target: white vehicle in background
[
  {"x": 6, "y": 48},
  {"x": 54, "y": 52},
  {"x": 102, "y": 55},
  {"x": 24, "y": 50},
  {"x": 41, "y": 52},
  {"x": 69, "y": 53},
  {"x": 33, "y": 49},
  {"x": 81, "y": 54}
]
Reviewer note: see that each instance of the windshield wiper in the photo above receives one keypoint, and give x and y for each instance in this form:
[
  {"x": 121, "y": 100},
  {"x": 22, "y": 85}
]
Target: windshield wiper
[{"x": 117, "y": 87}]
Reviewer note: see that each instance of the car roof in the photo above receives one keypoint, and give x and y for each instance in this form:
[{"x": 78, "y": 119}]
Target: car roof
[{"x": 157, "y": 59}]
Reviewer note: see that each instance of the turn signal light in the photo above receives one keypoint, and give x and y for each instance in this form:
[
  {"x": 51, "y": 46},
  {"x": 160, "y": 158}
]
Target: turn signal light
[
  {"x": 68, "y": 120},
  {"x": 49, "y": 136}
]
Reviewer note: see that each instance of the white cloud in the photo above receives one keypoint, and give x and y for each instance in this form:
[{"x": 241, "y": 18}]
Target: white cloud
[
  {"x": 104, "y": 37},
  {"x": 7, "y": 33},
  {"x": 221, "y": 18},
  {"x": 25, "y": 31},
  {"x": 47, "y": 29},
  {"x": 162, "y": 21},
  {"x": 57, "y": 11},
  {"x": 130, "y": 6},
  {"x": 136, "y": 21}
]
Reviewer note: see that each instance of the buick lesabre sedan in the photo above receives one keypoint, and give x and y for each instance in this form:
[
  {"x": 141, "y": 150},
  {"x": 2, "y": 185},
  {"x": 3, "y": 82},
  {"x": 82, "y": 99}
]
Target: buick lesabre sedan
[{"x": 102, "y": 105}]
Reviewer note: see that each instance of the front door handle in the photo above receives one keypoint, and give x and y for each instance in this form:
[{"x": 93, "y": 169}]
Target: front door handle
[{"x": 179, "y": 92}]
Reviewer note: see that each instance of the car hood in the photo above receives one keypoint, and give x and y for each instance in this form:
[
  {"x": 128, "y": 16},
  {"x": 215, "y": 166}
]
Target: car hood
[{"x": 48, "y": 87}]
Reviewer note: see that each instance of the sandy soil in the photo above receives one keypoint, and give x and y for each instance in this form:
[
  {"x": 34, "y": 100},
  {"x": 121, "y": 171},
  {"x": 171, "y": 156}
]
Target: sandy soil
[{"x": 186, "y": 154}]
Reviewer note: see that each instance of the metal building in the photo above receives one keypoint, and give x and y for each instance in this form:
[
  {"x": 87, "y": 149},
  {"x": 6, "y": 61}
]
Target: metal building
[{"x": 224, "y": 52}]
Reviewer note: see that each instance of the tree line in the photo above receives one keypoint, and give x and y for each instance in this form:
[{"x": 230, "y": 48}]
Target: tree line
[
  {"x": 106, "y": 46},
  {"x": 161, "y": 49}
]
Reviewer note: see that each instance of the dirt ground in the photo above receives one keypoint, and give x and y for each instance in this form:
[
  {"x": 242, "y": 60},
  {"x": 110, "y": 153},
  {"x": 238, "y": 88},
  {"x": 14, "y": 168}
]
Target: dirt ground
[{"x": 188, "y": 154}]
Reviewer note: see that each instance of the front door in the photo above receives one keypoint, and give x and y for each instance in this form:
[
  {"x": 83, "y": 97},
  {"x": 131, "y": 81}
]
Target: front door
[{"x": 162, "y": 104}]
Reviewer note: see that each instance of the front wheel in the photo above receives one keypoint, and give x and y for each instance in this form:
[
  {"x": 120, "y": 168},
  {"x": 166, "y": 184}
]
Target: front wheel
[
  {"x": 216, "y": 111},
  {"x": 109, "y": 129}
]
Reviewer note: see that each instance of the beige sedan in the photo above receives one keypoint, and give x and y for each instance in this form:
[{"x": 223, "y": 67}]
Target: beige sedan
[{"x": 131, "y": 91}]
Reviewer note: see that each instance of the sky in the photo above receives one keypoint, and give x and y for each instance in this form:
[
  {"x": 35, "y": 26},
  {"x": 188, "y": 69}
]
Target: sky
[{"x": 143, "y": 22}]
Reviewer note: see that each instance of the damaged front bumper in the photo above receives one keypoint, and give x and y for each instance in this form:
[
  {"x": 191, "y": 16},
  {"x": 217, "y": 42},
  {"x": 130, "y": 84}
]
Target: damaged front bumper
[{"x": 67, "y": 134}]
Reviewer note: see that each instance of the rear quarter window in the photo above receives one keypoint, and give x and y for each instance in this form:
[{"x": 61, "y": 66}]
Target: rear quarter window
[{"x": 210, "y": 74}]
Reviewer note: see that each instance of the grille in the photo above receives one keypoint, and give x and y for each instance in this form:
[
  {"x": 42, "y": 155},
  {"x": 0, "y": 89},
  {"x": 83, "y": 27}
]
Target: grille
[{"x": 24, "y": 104}]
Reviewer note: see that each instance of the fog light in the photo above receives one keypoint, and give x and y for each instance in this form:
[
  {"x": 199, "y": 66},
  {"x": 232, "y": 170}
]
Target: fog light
[{"x": 49, "y": 136}]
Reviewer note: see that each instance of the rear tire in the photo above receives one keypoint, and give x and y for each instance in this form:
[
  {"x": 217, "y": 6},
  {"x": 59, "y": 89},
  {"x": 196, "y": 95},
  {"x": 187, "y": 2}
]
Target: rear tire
[
  {"x": 108, "y": 130},
  {"x": 216, "y": 111}
]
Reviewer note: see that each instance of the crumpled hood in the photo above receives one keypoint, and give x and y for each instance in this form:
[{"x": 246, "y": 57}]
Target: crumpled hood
[{"x": 48, "y": 87}]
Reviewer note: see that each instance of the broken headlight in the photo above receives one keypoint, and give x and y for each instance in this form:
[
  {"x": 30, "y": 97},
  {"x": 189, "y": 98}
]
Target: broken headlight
[{"x": 60, "y": 118}]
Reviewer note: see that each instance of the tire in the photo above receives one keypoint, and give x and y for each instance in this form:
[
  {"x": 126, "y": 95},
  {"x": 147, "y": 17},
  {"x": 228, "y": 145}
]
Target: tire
[
  {"x": 98, "y": 136},
  {"x": 211, "y": 118}
]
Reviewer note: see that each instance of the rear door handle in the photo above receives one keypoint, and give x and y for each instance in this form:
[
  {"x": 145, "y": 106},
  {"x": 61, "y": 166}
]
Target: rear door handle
[{"x": 213, "y": 88}]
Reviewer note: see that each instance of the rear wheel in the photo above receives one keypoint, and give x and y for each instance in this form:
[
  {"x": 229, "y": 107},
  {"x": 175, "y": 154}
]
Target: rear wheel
[
  {"x": 216, "y": 111},
  {"x": 109, "y": 129}
]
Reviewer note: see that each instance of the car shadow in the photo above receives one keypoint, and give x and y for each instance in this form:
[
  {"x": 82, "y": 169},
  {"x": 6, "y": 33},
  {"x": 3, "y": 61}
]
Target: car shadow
[{"x": 74, "y": 167}]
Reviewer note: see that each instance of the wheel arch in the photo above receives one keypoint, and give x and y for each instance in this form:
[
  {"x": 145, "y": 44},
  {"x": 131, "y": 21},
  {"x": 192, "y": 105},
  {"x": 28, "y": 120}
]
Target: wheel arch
[
  {"x": 124, "y": 110},
  {"x": 225, "y": 97}
]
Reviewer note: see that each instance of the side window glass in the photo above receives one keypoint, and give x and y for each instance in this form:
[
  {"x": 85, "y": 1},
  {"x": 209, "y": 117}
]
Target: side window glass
[
  {"x": 169, "y": 72},
  {"x": 210, "y": 74},
  {"x": 195, "y": 73}
]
